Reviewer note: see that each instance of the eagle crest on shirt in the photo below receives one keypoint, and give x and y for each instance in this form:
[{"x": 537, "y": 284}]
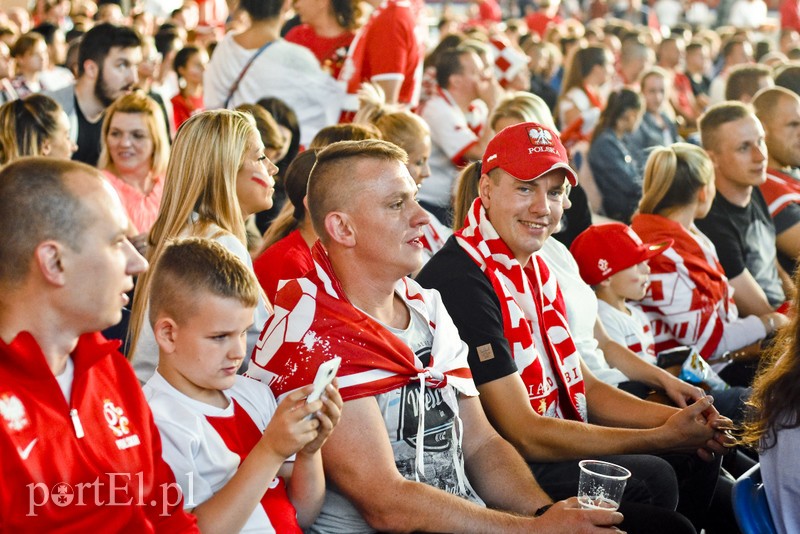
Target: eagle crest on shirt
[{"x": 13, "y": 411}]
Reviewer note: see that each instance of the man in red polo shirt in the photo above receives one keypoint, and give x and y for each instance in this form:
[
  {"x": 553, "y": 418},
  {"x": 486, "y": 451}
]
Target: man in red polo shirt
[{"x": 79, "y": 447}]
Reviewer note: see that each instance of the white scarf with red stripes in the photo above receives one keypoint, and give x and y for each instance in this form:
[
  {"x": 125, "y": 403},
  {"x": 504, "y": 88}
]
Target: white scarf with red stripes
[
  {"x": 531, "y": 302},
  {"x": 313, "y": 321}
]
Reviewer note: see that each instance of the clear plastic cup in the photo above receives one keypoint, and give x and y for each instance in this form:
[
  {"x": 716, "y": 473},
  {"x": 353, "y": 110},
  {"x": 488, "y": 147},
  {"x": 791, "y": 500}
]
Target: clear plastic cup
[{"x": 601, "y": 484}]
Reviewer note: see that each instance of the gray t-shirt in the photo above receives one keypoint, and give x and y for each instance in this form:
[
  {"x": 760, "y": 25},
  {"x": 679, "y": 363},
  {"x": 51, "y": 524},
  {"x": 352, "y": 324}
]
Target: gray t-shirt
[{"x": 443, "y": 458}]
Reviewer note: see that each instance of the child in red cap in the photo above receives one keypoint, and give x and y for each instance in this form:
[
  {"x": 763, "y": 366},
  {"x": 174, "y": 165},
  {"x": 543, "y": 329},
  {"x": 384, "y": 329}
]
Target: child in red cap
[{"x": 613, "y": 260}]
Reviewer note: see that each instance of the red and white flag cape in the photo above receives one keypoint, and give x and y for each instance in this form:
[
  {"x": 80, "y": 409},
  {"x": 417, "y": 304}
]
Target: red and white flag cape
[{"x": 313, "y": 321}]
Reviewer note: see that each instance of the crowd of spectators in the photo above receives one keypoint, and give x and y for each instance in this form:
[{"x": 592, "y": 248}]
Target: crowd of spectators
[{"x": 498, "y": 214}]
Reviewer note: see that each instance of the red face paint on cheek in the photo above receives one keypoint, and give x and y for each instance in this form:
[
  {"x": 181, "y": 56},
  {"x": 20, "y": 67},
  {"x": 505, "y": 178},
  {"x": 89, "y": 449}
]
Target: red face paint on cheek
[{"x": 260, "y": 182}]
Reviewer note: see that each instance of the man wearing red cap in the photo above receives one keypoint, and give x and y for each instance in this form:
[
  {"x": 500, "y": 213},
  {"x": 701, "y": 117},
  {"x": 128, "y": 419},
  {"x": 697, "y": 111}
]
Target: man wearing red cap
[{"x": 534, "y": 386}]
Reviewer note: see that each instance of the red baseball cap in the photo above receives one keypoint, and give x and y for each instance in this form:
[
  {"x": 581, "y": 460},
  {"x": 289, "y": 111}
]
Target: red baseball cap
[
  {"x": 527, "y": 151},
  {"x": 605, "y": 249}
]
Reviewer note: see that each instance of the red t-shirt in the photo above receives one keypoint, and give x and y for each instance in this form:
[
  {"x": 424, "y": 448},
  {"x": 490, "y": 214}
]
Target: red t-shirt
[
  {"x": 330, "y": 51},
  {"x": 286, "y": 259},
  {"x": 779, "y": 190},
  {"x": 537, "y": 22},
  {"x": 240, "y": 434},
  {"x": 790, "y": 15},
  {"x": 386, "y": 48},
  {"x": 184, "y": 107},
  {"x": 489, "y": 11},
  {"x": 683, "y": 93}
]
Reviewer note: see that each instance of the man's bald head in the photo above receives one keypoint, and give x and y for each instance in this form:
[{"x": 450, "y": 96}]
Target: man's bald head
[
  {"x": 337, "y": 177},
  {"x": 767, "y": 101},
  {"x": 40, "y": 200}
]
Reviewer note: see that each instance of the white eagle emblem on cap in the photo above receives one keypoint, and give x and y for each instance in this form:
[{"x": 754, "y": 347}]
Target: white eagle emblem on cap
[
  {"x": 540, "y": 136},
  {"x": 603, "y": 265}
]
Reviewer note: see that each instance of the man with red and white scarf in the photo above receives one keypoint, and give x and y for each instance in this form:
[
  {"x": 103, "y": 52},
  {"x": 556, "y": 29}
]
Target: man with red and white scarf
[
  {"x": 533, "y": 385},
  {"x": 412, "y": 426}
]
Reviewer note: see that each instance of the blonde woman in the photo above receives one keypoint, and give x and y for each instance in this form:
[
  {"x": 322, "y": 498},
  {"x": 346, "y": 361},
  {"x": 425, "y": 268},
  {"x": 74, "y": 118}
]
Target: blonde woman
[
  {"x": 521, "y": 106},
  {"x": 217, "y": 176},
  {"x": 133, "y": 156},
  {"x": 691, "y": 301},
  {"x": 409, "y": 132}
]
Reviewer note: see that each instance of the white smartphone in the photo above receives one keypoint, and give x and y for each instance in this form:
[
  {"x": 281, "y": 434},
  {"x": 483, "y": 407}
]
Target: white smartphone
[{"x": 325, "y": 375}]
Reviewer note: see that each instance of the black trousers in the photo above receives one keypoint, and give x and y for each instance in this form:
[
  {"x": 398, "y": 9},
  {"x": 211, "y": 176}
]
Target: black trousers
[{"x": 670, "y": 493}]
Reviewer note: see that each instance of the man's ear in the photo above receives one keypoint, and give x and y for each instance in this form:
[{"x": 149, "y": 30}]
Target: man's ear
[
  {"x": 48, "y": 258},
  {"x": 702, "y": 194},
  {"x": 485, "y": 190},
  {"x": 340, "y": 228},
  {"x": 91, "y": 69},
  {"x": 47, "y": 146},
  {"x": 713, "y": 157},
  {"x": 165, "y": 330}
]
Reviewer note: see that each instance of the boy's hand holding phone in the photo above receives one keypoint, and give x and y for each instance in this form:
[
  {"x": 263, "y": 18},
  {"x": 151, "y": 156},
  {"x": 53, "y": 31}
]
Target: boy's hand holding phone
[
  {"x": 290, "y": 428},
  {"x": 328, "y": 416}
]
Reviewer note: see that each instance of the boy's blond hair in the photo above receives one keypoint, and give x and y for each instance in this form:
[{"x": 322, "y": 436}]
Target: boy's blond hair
[{"x": 192, "y": 266}]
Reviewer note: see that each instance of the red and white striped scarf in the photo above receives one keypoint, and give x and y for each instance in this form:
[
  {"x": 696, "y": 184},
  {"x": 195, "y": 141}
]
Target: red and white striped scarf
[
  {"x": 313, "y": 321},
  {"x": 534, "y": 319}
]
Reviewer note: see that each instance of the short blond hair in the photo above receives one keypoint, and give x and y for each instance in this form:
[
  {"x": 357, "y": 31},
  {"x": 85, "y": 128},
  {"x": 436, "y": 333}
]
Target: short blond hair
[
  {"x": 397, "y": 126},
  {"x": 192, "y": 266},
  {"x": 332, "y": 182},
  {"x": 718, "y": 115}
]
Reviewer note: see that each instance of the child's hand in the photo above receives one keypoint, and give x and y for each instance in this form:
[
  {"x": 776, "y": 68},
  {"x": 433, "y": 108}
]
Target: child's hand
[
  {"x": 328, "y": 416},
  {"x": 289, "y": 431}
]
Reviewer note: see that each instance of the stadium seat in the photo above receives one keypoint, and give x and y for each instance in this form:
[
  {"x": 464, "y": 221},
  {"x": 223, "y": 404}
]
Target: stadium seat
[{"x": 750, "y": 504}]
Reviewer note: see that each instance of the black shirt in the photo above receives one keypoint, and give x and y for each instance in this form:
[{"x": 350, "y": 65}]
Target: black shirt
[
  {"x": 700, "y": 85},
  {"x": 471, "y": 301},
  {"x": 745, "y": 239},
  {"x": 89, "y": 134}
]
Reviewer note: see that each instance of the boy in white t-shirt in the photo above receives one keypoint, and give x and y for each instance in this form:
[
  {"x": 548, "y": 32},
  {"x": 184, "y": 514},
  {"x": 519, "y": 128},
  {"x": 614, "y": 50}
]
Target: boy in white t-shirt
[
  {"x": 224, "y": 436},
  {"x": 613, "y": 260}
]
